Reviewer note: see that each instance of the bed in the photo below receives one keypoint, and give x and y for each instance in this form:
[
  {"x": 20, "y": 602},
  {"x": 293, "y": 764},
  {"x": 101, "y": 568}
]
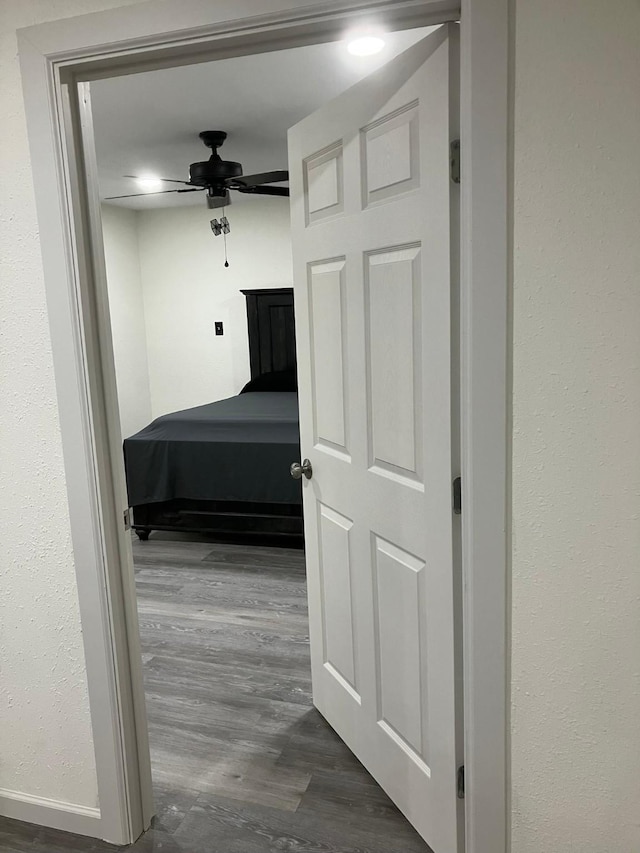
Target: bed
[{"x": 224, "y": 467}]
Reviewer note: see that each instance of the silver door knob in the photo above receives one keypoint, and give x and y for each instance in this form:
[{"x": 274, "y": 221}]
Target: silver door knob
[{"x": 297, "y": 470}]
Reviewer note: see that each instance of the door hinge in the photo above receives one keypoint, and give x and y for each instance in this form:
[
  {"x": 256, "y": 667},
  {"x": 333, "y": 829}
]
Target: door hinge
[
  {"x": 127, "y": 519},
  {"x": 460, "y": 785},
  {"x": 454, "y": 160},
  {"x": 457, "y": 496}
]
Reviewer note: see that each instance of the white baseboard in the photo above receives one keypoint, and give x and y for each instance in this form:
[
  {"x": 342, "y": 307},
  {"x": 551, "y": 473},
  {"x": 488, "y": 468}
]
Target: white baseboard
[{"x": 42, "y": 811}]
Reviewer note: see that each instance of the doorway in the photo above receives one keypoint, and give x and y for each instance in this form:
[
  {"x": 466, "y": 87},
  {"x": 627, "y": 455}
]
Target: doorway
[
  {"x": 440, "y": 12},
  {"x": 223, "y": 620}
]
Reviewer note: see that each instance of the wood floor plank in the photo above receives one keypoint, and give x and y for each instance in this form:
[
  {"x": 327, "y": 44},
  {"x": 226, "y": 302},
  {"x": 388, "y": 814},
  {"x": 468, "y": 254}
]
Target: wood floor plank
[{"x": 255, "y": 829}]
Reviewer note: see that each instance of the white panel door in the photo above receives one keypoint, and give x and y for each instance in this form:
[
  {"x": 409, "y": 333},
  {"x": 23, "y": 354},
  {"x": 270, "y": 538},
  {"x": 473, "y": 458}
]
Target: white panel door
[{"x": 373, "y": 210}]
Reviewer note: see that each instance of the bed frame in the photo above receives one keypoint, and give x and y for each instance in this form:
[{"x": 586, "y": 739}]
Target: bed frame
[
  {"x": 228, "y": 519},
  {"x": 272, "y": 347}
]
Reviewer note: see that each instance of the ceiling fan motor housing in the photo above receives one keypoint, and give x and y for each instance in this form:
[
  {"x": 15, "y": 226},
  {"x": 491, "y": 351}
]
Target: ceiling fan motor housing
[{"x": 215, "y": 171}]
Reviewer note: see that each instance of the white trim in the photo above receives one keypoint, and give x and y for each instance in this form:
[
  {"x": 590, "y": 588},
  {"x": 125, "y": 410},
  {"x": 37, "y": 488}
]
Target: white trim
[
  {"x": 69, "y": 817},
  {"x": 484, "y": 132},
  {"x": 164, "y": 33}
]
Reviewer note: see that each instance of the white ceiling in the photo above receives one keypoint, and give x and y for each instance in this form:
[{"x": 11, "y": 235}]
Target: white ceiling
[{"x": 149, "y": 123}]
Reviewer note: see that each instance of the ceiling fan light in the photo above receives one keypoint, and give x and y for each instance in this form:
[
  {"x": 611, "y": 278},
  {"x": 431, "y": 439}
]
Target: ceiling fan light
[
  {"x": 149, "y": 183},
  {"x": 366, "y": 45}
]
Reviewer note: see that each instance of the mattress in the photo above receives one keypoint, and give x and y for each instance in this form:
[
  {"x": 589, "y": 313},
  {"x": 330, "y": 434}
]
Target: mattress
[{"x": 238, "y": 449}]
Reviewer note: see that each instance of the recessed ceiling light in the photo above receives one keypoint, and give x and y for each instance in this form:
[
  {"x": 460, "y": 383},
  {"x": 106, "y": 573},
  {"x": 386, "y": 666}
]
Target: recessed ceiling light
[
  {"x": 149, "y": 183},
  {"x": 365, "y": 45}
]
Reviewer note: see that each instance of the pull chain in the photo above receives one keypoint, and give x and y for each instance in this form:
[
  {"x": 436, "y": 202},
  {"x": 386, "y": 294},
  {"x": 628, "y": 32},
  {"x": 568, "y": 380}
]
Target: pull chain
[{"x": 224, "y": 237}]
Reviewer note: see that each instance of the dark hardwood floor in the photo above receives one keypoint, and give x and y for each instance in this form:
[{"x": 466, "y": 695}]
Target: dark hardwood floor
[{"x": 242, "y": 763}]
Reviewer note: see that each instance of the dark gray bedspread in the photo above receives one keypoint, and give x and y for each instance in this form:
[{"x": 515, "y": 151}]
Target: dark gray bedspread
[{"x": 238, "y": 449}]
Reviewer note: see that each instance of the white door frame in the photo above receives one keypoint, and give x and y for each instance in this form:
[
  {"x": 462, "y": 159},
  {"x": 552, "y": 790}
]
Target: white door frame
[{"x": 164, "y": 33}]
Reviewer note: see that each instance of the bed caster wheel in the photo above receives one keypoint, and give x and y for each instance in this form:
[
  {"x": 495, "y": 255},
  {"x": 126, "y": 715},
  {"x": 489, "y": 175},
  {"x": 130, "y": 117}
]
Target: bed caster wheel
[{"x": 142, "y": 534}]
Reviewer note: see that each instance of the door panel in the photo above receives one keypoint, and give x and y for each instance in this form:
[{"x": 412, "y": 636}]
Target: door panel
[
  {"x": 323, "y": 183},
  {"x": 372, "y": 206},
  {"x": 327, "y": 324},
  {"x": 337, "y": 604},
  {"x": 393, "y": 352},
  {"x": 400, "y": 627},
  {"x": 390, "y": 154}
]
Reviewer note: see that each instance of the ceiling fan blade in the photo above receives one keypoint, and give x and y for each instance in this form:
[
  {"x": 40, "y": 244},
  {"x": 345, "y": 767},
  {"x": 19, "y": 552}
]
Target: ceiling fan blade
[
  {"x": 166, "y": 180},
  {"x": 159, "y": 192},
  {"x": 260, "y": 178},
  {"x": 282, "y": 191},
  {"x": 216, "y": 201}
]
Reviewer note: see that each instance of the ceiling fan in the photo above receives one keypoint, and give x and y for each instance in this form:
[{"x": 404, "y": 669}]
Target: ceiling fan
[{"x": 217, "y": 176}]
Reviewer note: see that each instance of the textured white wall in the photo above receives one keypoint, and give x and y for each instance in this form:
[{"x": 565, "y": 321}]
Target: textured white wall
[
  {"x": 46, "y": 747},
  {"x": 576, "y": 443},
  {"x": 186, "y": 289},
  {"x": 126, "y": 307}
]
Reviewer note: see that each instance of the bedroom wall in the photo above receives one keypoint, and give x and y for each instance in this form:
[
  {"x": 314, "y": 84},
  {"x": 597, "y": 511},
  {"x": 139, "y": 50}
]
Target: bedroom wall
[
  {"x": 576, "y": 428},
  {"x": 46, "y": 744},
  {"x": 126, "y": 306},
  {"x": 187, "y": 289}
]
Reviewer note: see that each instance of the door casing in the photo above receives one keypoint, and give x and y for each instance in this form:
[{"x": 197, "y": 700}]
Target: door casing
[{"x": 57, "y": 60}]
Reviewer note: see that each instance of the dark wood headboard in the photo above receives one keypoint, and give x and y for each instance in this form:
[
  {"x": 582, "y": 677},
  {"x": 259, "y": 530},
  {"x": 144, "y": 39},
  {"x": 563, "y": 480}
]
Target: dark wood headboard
[{"x": 272, "y": 335}]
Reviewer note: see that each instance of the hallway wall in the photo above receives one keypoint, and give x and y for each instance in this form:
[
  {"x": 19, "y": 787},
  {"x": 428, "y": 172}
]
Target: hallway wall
[
  {"x": 576, "y": 428},
  {"x": 46, "y": 744}
]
